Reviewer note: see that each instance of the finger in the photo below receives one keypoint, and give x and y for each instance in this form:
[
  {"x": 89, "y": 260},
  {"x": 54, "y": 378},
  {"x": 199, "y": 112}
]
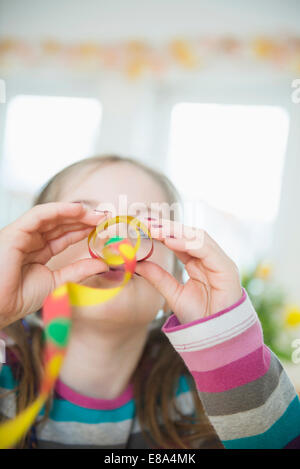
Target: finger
[
  {"x": 56, "y": 212},
  {"x": 163, "y": 231},
  {"x": 184, "y": 257},
  {"x": 63, "y": 229},
  {"x": 160, "y": 279},
  {"x": 159, "y": 234},
  {"x": 90, "y": 218},
  {"x": 79, "y": 271},
  {"x": 27, "y": 241},
  {"x": 54, "y": 247},
  {"x": 60, "y": 244},
  {"x": 165, "y": 228},
  {"x": 162, "y": 228},
  {"x": 207, "y": 250},
  {"x": 193, "y": 241}
]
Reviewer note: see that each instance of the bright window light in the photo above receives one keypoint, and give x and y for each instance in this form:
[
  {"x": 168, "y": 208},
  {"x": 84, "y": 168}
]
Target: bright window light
[
  {"x": 230, "y": 156},
  {"x": 44, "y": 134}
]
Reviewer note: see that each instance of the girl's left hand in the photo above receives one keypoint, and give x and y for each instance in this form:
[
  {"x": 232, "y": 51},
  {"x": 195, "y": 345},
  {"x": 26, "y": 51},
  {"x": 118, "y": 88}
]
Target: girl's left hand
[{"x": 205, "y": 262}]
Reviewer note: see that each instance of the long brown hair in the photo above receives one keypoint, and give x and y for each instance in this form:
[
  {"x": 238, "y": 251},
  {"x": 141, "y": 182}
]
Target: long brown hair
[{"x": 160, "y": 366}]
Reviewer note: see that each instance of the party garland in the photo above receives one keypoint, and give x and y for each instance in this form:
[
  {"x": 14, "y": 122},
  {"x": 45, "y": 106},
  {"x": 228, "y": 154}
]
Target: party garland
[
  {"x": 137, "y": 57},
  {"x": 57, "y": 317}
]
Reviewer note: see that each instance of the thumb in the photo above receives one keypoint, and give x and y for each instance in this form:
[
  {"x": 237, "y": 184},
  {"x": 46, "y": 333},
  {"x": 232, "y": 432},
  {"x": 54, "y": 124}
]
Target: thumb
[
  {"x": 162, "y": 280},
  {"x": 79, "y": 271}
]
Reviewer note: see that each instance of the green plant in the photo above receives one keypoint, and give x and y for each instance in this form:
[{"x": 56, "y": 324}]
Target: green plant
[{"x": 277, "y": 317}]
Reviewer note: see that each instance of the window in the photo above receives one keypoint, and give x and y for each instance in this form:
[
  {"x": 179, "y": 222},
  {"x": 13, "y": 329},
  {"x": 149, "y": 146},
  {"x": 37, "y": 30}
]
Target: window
[
  {"x": 229, "y": 159},
  {"x": 44, "y": 134}
]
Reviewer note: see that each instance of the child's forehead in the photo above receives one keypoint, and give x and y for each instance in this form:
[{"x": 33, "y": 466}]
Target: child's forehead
[
  {"x": 117, "y": 184},
  {"x": 124, "y": 175}
]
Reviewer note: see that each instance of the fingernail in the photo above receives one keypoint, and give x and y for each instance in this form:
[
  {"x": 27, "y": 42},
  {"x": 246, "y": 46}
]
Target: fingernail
[{"x": 104, "y": 212}]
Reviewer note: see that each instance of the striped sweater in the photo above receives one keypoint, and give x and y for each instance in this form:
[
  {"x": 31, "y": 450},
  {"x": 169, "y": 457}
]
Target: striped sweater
[{"x": 246, "y": 393}]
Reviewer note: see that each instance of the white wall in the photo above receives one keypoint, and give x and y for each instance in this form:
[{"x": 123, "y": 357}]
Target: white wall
[
  {"x": 136, "y": 115},
  {"x": 286, "y": 247},
  {"x": 152, "y": 19}
]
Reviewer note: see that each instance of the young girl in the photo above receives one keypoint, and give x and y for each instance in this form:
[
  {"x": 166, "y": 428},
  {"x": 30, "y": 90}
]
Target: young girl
[{"x": 130, "y": 379}]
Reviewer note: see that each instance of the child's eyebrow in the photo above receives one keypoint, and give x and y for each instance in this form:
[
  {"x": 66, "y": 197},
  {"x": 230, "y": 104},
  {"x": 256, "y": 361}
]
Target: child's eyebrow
[
  {"x": 91, "y": 202},
  {"x": 94, "y": 202}
]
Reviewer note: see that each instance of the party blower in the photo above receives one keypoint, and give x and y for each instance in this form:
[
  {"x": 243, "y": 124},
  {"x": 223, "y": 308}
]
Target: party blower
[{"x": 57, "y": 307}]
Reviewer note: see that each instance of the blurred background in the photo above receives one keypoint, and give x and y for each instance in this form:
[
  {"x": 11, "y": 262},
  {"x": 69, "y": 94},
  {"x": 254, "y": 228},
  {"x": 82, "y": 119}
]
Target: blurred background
[{"x": 207, "y": 91}]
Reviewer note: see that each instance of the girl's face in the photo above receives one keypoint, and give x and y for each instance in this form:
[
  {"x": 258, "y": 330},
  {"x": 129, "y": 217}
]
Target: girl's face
[{"x": 139, "y": 302}]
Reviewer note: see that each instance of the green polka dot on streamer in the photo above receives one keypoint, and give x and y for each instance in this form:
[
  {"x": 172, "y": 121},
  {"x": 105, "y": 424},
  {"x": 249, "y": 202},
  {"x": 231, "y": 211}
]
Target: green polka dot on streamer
[
  {"x": 58, "y": 331},
  {"x": 116, "y": 239}
]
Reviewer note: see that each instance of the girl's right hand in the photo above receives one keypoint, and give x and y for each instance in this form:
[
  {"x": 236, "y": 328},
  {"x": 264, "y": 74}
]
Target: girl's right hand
[{"x": 27, "y": 244}]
